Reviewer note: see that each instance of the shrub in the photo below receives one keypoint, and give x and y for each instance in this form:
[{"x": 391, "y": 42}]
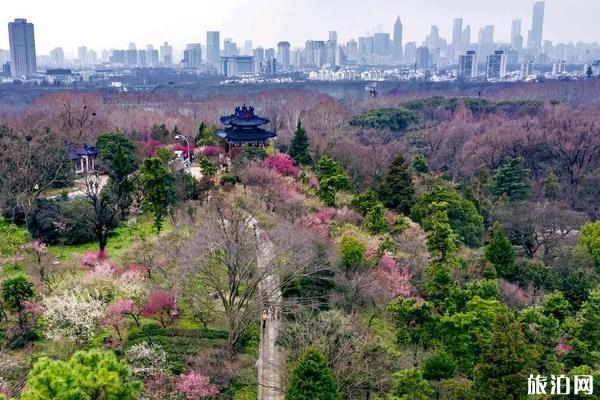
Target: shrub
[
  {"x": 195, "y": 386},
  {"x": 282, "y": 163}
]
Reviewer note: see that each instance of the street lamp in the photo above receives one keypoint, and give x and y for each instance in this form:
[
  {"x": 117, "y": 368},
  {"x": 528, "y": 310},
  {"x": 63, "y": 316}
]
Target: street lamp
[{"x": 187, "y": 144}]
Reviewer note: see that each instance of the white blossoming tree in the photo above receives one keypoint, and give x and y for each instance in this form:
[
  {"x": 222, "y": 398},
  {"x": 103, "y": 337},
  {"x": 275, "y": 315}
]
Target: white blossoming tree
[{"x": 69, "y": 316}]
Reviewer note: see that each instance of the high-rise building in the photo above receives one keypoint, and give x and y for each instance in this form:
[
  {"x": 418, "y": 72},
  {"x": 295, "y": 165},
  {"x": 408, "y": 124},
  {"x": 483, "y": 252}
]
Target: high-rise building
[
  {"x": 422, "y": 58},
  {"x": 534, "y": 39},
  {"x": 466, "y": 37},
  {"x": 192, "y": 55},
  {"x": 457, "y": 34},
  {"x": 259, "y": 54},
  {"x": 283, "y": 55},
  {"x": 57, "y": 55},
  {"x": 82, "y": 55},
  {"x": 467, "y": 65},
  {"x": 229, "y": 48},
  {"x": 4, "y": 56},
  {"x": 92, "y": 57},
  {"x": 247, "y": 51},
  {"x": 410, "y": 52},
  {"x": 314, "y": 53},
  {"x": 352, "y": 51},
  {"x": 166, "y": 54},
  {"x": 333, "y": 35},
  {"x": 213, "y": 48},
  {"x": 496, "y": 65},
  {"x": 515, "y": 32},
  {"x": 236, "y": 65},
  {"x": 381, "y": 43},
  {"x": 486, "y": 40},
  {"x": 21, "y": 39},
  {"x": 270, "y": 54},
  {"x": 397, "y": 44}
]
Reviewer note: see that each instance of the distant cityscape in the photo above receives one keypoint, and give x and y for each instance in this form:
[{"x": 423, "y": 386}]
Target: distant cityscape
[{"x": 380, "y": 56}]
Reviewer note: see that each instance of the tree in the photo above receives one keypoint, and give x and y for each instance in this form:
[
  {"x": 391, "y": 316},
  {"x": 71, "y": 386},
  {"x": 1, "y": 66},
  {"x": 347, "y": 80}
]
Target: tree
[
  {"x": 206, "y": 136},
  {"x": 590, "y": 237},
  {"x": 331, "y": 179},
  {"x": 439, "y": 366},
  {"x": 393, "y": 119},
  {"x": 30, "y": 164},
  {"x": 463, "y": 216},
  {"x": 397, "y": 190},
  {"x": 375, "y": 221},
  {"x": 410, "y": 385},
  {"x": 351, "y": 254},
  {"x": 15, "y": 292},
  {"x": 415, "y": 323},
  {"x": 226, "y": 262},
  {"x": 300, "y": 145},
  {"x": 366, "y": 201},
  {"x": 506, "y": 363},
  {"x": 420, "y": 165},
  {"x": 93, "y": 374},
  {"x": 195, "y": 386},
  {"x": 510, "y": 179},
  {"x": 68, "y": 316},
  {"x": 500, "y": 253},
  {"x": 106, "y": 209},
  {"x": 117, "y": 158},
  {"x": 161, "y": 305},
  {"x": 281, "y": 163},
  {"x": 441, "y": 241},
  {"x": 312, "y": 379},
  {"x": 157, "y": 185}
]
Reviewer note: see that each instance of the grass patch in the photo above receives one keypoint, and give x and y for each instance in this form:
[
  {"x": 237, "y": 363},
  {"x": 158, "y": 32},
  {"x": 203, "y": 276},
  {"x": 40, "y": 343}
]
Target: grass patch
[
  {"x": 11, "y": 238},
  {"x": 121, "y": 239}
]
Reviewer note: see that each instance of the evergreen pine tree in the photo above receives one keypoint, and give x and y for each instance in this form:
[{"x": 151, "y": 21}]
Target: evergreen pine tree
[
  {"x": 500, "y": 253},
  {"x": 312, "y": 379},
  {"x": 510, "y": 179},
  {"x": 299, "y": 146},
  {"x": 506, "y": 362},
  {"x": 397, "y": 190}
]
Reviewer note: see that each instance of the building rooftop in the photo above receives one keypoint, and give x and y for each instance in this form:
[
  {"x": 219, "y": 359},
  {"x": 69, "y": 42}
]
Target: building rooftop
[
  {"x": 244, "y": 117},
  {"x": 75, "y": 151}
]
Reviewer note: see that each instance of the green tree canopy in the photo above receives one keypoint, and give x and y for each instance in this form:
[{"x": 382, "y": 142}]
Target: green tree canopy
[
  {"x": 500, "y": 253},
  {"x": 88, "y": 375},
  {"x": 299, "y": 147},
  {"x": 510, "y": 179},
  {"x": 590, "y": 237},
  {"x": 312, "y": 379},
  {"x": 331, "y": 179},
  {"x": 392, "y": 119},
  {"x": 397, "y": 190},
  {"x": 157, "y": 185},
  {"x": 463, "y": 216},
  {"x": 506, "y": 362},
  {"x": 410, "y": 385}
]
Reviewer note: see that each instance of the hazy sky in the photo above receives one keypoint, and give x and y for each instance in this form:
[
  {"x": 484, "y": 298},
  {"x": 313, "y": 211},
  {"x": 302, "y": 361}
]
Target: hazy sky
[{"x": 114, "y": 23}]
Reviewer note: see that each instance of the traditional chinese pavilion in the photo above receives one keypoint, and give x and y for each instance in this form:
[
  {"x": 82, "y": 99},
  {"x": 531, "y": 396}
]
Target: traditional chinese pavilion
[{"x": 243, "y": 128}]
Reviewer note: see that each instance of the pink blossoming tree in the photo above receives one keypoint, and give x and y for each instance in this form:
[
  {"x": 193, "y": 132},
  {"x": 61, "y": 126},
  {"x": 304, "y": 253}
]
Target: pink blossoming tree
[{"x": 195, "y": 386}]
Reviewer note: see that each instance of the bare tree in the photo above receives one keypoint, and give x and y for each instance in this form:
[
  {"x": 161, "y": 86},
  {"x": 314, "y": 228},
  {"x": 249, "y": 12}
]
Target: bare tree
[
  {"x": 105, "y": 206},
  {"x": 228, "y": 258}
]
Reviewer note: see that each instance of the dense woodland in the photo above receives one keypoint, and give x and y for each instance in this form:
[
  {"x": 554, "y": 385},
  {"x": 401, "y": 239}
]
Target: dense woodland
[{"x": 428, "y": 245}]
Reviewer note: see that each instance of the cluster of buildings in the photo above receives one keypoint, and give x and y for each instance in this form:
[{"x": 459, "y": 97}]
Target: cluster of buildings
[{"x": 460, "y": 57}]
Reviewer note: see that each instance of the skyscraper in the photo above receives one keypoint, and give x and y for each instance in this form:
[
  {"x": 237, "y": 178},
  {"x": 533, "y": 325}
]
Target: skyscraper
[
  {"x": 192, "y": 55},
  {"x": 57, "y": 55},
  {"x": 213, "y": 47},
  {"x": 397, "y": 45},
  {"x": 486, "y": 40},
  {"x": 422, "y": 58},
  {"x": 82, "y": 55},
  {"x": 283, "y": 55},
  {"x": 496, "y": 65},
  {"x": 457, "y": 34},
  {"x": 467, "y": 65},
  {"x": 166, "y": 54},
  {"x": 381, "y": 43},
  {"x": 534, "y": 39},
  {"x": 466, "y": 37},
  {"x": 21, "y": 39}
]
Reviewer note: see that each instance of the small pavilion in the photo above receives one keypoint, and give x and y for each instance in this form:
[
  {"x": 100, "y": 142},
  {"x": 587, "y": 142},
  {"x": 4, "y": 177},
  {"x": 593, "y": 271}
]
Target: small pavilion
[{"x": 243, "y": 128}]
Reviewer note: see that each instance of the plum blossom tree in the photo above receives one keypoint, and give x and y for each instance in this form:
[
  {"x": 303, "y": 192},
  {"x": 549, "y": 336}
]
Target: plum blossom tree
[
  {"x": 71, "y": 317},
  {"x": 393, "y": 278},
  {"x": 161, "y": 305},
  {"x": 282, "y": 163},
  {"x": 115, "y": 313},
  {"x": 195, "y": 386}
]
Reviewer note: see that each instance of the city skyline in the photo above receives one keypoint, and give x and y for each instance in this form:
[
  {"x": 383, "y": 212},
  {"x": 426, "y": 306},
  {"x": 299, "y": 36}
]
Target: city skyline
[{"x": 284, "y": 22}]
